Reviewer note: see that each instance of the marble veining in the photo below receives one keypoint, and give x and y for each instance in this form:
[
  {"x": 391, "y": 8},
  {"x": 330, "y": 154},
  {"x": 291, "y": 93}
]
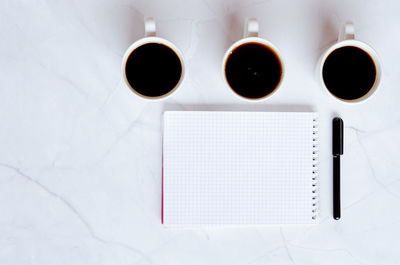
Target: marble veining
[{"x": 80, "y": 156}]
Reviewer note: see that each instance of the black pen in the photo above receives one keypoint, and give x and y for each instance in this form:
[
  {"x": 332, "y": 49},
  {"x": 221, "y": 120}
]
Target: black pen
[{"x": 337, "y": 150}]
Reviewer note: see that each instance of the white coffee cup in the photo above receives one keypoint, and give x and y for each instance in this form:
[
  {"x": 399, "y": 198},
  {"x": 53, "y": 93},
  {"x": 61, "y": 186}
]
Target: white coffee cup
[
  {"x": 250, "y": 35},
  {"x": 346, "y": 39},
  {"x": 150, "y": 37}
]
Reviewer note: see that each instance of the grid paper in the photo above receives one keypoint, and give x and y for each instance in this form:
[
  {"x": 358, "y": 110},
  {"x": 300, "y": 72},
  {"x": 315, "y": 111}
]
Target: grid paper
[{"x": 237, "y": 168}]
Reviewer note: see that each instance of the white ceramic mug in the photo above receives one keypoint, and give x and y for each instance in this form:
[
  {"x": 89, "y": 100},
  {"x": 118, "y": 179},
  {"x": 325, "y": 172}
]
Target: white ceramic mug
[
  {"x": 250, "y": 35},
  {"x": 150, "y": 37},
  {"x": 346, "y": 39}
]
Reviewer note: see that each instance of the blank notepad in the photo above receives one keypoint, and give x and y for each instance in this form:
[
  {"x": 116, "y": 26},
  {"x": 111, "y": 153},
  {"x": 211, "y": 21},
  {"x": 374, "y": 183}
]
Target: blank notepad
[{"x": 239, "y": 168}]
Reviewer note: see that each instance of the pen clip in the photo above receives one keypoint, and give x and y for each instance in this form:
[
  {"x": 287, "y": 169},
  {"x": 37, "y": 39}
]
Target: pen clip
[{"x": 337, "y": 136}]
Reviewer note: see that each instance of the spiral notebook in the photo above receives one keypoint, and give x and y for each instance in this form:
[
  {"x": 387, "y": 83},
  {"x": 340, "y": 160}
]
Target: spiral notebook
[{"x": 239, "y": 168}]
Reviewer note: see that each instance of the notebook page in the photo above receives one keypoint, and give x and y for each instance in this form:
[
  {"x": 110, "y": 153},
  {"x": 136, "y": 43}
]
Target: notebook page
[{"x": 238, "y": 168}]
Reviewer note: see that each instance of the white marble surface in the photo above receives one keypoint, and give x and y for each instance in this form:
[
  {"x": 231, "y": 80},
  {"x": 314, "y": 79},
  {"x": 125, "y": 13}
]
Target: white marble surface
[{"x": 80, "y": 154}]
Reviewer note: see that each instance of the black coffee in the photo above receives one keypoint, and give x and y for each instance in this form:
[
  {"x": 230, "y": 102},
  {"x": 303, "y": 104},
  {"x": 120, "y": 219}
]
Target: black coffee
[
  {"x": 253, "y": 70},
  {"x": 349, "y": 72},
  {"x": 153, "y": 69}
]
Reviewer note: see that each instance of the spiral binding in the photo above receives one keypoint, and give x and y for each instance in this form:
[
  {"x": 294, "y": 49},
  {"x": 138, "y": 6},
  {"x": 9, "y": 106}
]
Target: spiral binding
[{"x": 315, "y": 170}]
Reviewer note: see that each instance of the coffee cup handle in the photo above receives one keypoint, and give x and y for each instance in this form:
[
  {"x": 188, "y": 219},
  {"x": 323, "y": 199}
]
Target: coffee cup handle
[
  {"x": 347, "y": 31},
  {"x": 250, "y": 28},
  {"x": 149, "y": 27}
]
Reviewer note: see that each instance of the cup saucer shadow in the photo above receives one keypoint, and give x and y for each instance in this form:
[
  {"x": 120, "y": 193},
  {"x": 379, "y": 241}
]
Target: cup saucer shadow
[
  {"x": 328, "y": 31},
  {"x": 234, "y": 30}
]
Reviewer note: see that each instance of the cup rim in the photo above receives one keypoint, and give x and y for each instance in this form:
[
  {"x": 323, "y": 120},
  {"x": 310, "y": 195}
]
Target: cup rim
[
  {"x": 366, "y": 48},
  {"x": 264, "y": 42},
  {"x": 147, "y": 40}
]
